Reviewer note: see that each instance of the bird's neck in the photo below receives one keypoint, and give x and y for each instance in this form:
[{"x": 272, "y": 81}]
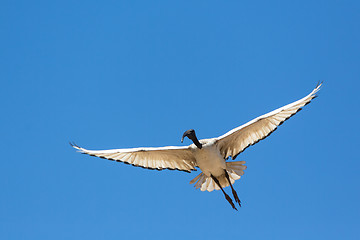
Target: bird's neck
[{"x": 197, "y": 143}]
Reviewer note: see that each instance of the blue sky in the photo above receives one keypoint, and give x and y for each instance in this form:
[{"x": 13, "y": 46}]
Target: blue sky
[{"x": 117, "y": 74}]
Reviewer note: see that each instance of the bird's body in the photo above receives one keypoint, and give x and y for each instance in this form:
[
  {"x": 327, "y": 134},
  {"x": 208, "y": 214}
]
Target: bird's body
[
  {"x": 210, "y": 155},
  {"x": 209, "y": 158}
]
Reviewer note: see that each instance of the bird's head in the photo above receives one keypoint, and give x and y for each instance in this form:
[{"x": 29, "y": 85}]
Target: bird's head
[{"x": 192, "y": 136}]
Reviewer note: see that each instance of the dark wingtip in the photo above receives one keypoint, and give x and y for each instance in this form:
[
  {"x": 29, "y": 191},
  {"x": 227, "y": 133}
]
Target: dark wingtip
[
  {"x": 73, "y": 145},
  {"x": 319, "y": 83}
]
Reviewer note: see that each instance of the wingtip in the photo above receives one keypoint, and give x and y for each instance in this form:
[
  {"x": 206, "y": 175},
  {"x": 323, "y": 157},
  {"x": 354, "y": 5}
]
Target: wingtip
[
  {"x": 74, "y": 145},
  {"x": 317, "y": 89},
  {"x": 318, "y": 85}
]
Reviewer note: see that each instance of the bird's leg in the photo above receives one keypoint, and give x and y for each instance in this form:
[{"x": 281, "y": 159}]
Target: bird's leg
[
  {"x": 226, "y": 196},
  {"x": 232, "y": 189}
]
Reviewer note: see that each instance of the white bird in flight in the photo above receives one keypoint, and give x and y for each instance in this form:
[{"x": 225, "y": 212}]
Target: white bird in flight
[{"x": 210, "y": 155}]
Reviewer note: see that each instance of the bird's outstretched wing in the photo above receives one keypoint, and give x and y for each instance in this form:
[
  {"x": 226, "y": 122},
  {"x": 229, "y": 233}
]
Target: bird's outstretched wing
[
  {"x": 237, "y": 140},
  {"x": 174, "y": 158}
]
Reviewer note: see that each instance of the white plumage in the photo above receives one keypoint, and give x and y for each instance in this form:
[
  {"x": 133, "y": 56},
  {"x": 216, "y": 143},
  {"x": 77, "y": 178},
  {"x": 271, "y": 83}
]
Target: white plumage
[
  {"x": 174, "y": 158},
  {"x": 209, "y": 155}
]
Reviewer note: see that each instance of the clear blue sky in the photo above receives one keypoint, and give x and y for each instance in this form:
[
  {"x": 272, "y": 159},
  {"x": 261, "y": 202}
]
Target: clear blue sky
[{"x": 117, "y": 74}]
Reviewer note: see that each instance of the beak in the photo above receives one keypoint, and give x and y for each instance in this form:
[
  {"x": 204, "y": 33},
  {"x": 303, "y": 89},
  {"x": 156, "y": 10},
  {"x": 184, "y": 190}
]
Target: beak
[{"x": 183, "y": 136}]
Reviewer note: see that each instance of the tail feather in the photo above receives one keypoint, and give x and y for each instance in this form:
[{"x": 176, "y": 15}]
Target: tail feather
[{"x": 206, "y": 183}]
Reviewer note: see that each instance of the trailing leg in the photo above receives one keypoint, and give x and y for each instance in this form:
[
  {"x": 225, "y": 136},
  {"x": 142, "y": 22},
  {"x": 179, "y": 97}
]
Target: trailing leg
[
  {"x": 232, "y": 189},
  {"x": 226, "y": 196}
]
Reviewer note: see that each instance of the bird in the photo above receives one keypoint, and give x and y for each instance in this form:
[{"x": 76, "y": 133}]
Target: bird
[{"x": 211, "y": 155}]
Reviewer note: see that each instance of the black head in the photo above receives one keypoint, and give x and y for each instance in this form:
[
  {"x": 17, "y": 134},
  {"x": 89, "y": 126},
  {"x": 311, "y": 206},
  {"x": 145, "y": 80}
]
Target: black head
[
  {"x": 189, "y": 133},
  {"x": 192, "y": 136}
]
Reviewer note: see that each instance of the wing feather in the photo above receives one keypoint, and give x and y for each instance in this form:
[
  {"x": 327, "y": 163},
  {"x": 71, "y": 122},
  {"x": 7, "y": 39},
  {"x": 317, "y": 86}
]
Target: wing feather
[
  {"x": 173, "y": 158},
  {"x": 237, "y": 140}
]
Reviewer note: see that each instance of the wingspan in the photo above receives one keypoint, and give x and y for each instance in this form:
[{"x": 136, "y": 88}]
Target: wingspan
[
  {"x": 237, "y": 140},
  {"x": 173, "y": 158}
]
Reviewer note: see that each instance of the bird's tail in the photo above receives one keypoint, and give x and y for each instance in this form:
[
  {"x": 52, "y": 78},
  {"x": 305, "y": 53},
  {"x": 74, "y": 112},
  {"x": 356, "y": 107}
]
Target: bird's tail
[{"x": 206, "y": 183}]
